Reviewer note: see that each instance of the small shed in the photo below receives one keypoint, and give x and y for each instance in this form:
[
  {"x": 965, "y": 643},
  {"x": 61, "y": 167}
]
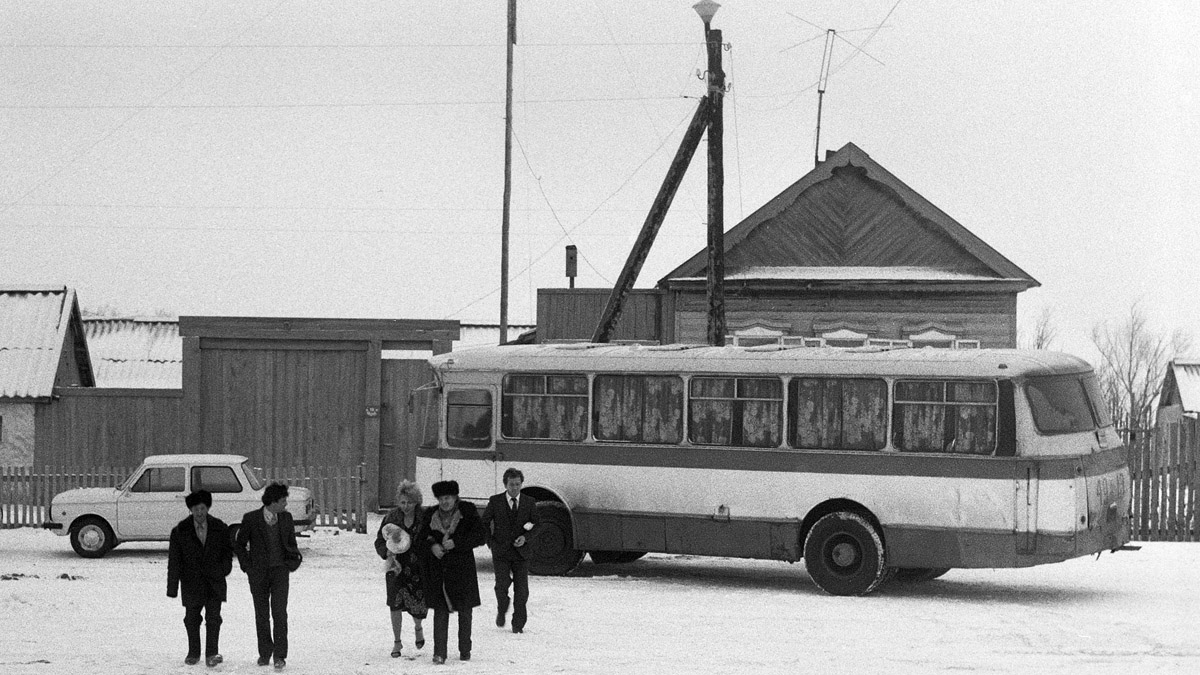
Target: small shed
[
  {"x": 1179, "y": 399},
  {"x": 42, "y": 346}
]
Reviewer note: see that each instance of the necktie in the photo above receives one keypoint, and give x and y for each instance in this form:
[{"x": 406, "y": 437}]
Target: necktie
[{"x": 514, "y": 504}]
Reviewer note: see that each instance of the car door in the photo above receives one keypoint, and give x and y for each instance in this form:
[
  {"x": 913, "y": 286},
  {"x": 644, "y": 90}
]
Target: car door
[
  {"x": 230, "y": 495},
  {"x": 152, "y": 504}
]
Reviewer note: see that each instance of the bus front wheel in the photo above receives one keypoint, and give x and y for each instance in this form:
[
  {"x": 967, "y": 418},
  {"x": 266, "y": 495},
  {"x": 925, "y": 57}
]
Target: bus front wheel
[
  {"x": 553, "y": 543},
  {"x": 844, "y": 554}
]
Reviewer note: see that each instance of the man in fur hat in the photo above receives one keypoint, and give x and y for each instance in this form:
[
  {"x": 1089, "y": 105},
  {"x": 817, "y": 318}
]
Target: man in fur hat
[
  {"x": 199, "y": 558},
  {"x": 452, "y": 530}
]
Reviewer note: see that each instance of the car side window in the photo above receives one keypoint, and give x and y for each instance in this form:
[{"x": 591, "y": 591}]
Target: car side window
[
  {"x": 160, "y": 479},
  {"x": 215, "y": 479}
]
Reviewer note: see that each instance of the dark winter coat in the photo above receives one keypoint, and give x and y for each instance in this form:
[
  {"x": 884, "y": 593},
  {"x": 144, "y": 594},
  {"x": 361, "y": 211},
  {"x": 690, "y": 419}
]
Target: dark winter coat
[
  {"x": 199, "y": 568},
  {"x": 252, "y": 542},
  {"x": 454, "y": 573},
  {"x": 505, "y": 527}
]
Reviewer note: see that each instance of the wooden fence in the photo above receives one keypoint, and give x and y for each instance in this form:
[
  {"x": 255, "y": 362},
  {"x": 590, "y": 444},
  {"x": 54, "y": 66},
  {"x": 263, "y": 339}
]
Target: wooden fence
[
  {"x": 1162, "y": 466},
  {"x": 25, "y": 494}
]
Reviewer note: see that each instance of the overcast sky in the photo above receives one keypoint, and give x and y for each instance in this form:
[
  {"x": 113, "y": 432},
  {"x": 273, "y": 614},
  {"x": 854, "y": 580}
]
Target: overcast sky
[{"x": 345, "y": 159}]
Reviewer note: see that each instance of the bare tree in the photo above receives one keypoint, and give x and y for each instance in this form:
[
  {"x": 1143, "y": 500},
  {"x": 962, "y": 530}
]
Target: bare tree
[
  {"x": 1045, "y": 332},
  {"x": 1133, "y": 361}
]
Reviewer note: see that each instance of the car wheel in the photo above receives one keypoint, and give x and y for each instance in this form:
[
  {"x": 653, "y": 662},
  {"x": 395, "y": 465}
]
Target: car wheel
[
  {"x": 91, "y": 537},
  {"x": 844, "y": 554}
]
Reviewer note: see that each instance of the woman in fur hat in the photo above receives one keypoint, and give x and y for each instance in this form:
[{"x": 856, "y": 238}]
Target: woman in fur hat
[
  {"x": 450, "y": 532},
  {"x": 402, "y": 575}
]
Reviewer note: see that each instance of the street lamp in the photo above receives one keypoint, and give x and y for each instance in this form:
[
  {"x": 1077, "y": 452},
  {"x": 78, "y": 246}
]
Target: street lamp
[{"x": 706, "y": 9}]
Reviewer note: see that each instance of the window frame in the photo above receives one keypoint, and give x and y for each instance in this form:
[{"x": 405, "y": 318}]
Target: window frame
[
  {"x": 506, "y": 410},
  {"x": 792, "y": 432},
  {"x": 192, "y": 474},
  {"x": 594, "y": 412},
  {"x": 946, "y": 406},
  {"x": 454, "y": 441},
  {"x": 737, "y": 412}
]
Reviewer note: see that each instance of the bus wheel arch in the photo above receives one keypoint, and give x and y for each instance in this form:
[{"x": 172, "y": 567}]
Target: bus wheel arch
[
  {"x": 554, "y": 552},
  {"x": 843, "y": 548}
]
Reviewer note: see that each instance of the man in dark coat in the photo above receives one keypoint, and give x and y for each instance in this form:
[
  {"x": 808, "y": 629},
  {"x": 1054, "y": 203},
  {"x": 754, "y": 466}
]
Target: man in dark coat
[
  {"x": 452, "y": 530},
  {"x": 267, "y": 553},
  {"x": 511, "y": 516},
  {"x": 199, "y": 558}
]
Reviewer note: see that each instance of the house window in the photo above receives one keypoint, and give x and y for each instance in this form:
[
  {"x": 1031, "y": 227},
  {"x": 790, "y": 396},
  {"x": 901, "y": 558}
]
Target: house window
[
  {"x": 844, "y": 337},
  {"x": 544, "y": 407},
  {"x": 755, "y": 336},
  {"x": 739, "y": 411},
  {"x": 932, "y": 337}
]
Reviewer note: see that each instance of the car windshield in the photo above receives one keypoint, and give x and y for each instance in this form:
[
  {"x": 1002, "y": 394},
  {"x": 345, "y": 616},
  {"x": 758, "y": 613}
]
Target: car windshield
[
  {"x": 252, "y": 478},
  {"x": 1063, "y": 404}
]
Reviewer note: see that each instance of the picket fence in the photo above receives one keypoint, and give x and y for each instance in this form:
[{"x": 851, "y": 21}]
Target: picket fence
[
  {"x": 1165, "y": 482},
  {"x": 25, "y": 493}
]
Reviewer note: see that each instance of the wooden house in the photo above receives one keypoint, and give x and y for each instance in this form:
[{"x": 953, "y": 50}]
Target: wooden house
[
  {"x": 42, "y": 347},
  {"x": 848, "y": 255}
]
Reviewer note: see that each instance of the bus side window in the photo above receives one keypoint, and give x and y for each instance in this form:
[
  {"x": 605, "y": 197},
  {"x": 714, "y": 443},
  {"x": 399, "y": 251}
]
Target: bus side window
[
  {"x": 738, "y": 411},
  {"x": 552, "y": 407},
  {"x": 837, "y": 413},
  {"x": 638, "y": 408},
  {"x": 945, "y": 416},
  {"x": 469, "y": 418}
]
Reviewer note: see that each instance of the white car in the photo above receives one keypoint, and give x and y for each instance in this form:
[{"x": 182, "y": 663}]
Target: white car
[{"x": 151, "y": 501}]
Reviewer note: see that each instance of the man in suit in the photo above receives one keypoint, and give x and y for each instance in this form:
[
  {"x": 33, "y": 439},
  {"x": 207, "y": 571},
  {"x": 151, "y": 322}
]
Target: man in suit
[
  {"x": 199, "y": 558},
  {"x": 510, "y": 517},
  {"x": 267, "y": 553}
]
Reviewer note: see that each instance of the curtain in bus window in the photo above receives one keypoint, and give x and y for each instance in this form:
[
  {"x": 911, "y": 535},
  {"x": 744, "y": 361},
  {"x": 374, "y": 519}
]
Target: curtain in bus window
[
  {"x": 974, "y": 425},
  {"x": 545, "y": 407},
  {"x": 761, "y": 403},
  {"x": 639, "y": 408},
  {"x": 711, "y": 421},
  {"x": 958, "y": 417},
  {"x": 864, "y": 414},
  {"x": 818, "y": 412}
]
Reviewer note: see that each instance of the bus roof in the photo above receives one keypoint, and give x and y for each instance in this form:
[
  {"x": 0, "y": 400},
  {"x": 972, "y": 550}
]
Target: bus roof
[{"x": 773, "y": 359}]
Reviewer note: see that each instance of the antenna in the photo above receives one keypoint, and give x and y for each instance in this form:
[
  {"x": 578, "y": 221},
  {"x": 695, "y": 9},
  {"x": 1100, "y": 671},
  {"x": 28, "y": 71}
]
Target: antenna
[{"x": 826, "y": 62}]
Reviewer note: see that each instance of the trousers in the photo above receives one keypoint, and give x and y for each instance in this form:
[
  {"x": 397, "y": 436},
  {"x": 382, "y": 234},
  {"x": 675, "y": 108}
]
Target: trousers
[
  {"x": 269, "y": 588},
  {"x": 514, "y": 573},
  {"x": 441, "y": 631},
  {"x": 212, "y": 627}
]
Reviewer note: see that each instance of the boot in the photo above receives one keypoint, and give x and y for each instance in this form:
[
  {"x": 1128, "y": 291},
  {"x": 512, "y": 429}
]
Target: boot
[{"x": 397, "y": 621}]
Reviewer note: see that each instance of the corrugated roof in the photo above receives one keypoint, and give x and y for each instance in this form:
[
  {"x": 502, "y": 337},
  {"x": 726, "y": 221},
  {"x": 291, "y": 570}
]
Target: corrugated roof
[
  {"x": 33, "y": 326},
  {"x": 137, "y": 353},
  {"x": 1187, "y": 381}
]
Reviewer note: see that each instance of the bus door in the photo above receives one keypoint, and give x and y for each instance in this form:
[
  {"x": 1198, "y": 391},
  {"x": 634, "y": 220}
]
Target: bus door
[{"x": 1025, "y": 506}]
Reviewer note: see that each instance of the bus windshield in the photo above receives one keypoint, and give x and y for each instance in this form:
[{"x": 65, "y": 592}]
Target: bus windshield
[{"x": 1064, "y": 404}]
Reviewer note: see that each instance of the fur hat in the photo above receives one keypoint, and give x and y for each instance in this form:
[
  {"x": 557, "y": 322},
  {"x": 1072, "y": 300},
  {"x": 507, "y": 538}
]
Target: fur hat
[
  {"x": 445, "y": 487},
  {"x": 199, "y": 497},
  {"x": 396, "y": 539}
]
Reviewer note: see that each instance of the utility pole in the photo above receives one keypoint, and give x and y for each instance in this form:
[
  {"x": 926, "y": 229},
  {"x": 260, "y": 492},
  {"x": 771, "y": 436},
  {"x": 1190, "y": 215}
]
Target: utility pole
[
  {"x": 826, "y": 62},
  {"x": 716, "y": 178},
  {"x": 504, "y": 219}
]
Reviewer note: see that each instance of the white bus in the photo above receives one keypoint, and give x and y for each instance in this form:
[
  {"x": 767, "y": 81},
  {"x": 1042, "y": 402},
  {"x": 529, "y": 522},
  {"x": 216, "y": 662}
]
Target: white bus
[{"x": 868, "y": 463}]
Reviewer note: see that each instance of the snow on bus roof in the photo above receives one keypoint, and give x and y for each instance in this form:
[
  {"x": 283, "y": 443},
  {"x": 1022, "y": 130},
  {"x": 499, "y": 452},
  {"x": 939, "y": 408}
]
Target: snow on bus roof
[{"x": 773, "y": 359}]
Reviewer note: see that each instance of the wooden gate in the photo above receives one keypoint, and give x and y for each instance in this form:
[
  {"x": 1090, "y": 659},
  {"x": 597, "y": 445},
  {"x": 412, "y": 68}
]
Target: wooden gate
[{"x": 401, "y": 423}]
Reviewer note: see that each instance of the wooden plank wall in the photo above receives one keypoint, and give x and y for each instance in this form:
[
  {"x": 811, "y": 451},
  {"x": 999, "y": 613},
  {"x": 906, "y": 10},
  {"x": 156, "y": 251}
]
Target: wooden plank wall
[
  {"x": 572, "y": 314},
  {"x": 1166, "y": 482},
  {"x": 989, "y": 318},
  {"x": 401, "y": 423},
  {"x": 87, "y": 427},
  {"x": 283, "y": 404}
]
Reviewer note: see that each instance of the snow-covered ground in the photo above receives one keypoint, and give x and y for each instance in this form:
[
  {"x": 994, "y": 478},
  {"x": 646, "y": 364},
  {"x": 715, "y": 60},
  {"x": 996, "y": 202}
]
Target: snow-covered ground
[{"x": 1124, "y": 613}]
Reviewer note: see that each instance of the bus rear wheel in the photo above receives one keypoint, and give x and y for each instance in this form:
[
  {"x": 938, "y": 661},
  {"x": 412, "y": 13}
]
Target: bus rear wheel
[
  {"x": 553, "y": 543},
  {"x": 844, "y": 554},
  {"x": 616, "y": 557},
  {"x": 915, "y": 575}
]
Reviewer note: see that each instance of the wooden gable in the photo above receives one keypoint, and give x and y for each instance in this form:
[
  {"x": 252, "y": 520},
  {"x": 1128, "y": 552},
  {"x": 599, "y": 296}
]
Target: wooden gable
[{"x": 851, "y": 213}]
